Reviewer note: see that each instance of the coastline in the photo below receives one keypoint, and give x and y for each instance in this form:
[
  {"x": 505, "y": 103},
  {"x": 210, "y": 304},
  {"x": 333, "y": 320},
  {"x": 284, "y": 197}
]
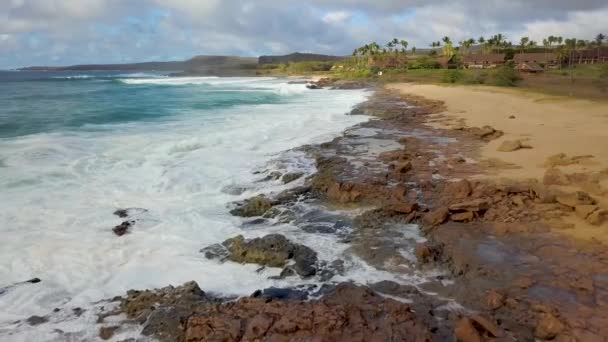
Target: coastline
[{"x": 485, "y": 266}]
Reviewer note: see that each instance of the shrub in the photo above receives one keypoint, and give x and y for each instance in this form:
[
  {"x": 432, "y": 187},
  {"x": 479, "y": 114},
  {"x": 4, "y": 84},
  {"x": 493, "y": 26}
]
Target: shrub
[
  {"x": 602, "y": 78},
  {"x": 424, "y": 62},
  {"x": 476, "y": 77},
  {"x": 505, "y": 76},
  {"x": 452, "y": 76}
]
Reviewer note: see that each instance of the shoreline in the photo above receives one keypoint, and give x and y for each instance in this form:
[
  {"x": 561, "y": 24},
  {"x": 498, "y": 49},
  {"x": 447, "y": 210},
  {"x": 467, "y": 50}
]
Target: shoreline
[{"x": 485, "y": 265}]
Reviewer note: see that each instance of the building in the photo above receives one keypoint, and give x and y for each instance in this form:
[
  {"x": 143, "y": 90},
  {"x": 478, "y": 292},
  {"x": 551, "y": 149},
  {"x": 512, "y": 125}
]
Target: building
[
  {"x": 541, "y": 58},
  {"x": 529, "y": 67},
  {"x": 590, "y": 56},
  {"x": 447, "y": 62},
  {"x": 483, "y": 61}
]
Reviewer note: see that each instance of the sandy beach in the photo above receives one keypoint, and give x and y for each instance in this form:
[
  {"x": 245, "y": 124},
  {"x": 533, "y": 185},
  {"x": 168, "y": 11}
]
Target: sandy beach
[{"x": 548, "y": 125}]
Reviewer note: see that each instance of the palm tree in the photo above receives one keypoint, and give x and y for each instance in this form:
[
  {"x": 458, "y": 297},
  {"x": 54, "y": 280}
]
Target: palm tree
[
  {"x": 446, "y": 40},
  {"x": 404, "y": 44},
  {"x": 559, "y": 40},
  {"x": 599, "y": 39},
  {"x": 523, "y": 43},
  {"x": 413, "y": 50},
  {"x": 580, "y": 45}
]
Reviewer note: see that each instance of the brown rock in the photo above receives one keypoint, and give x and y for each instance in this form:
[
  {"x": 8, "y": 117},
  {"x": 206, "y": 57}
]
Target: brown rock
[
  {"x": 548, "y": 327},
  {"x": 485, "y": 326},
  {"x": 597, "y": 217},
  {"x": 462, "y": 217},
  {"x": 458, "y": 190},
  {"x": 401, "y": 168},
  {"x": 512, "y": 145},
  {"x": 347, "y": 313},
  {"x": 583, "y": 211},
  {"x": 575, "y": 199},
  {"x": 494, "y": 300},
  {"x": 403, "y": 207},
  {"x": 106, "y": 333},
  {"x": 436, "y": 217},
  {"x": 465, "y": 332},
  {"x": 475, "y": 205},
  {"x": 554, "y": 176}
]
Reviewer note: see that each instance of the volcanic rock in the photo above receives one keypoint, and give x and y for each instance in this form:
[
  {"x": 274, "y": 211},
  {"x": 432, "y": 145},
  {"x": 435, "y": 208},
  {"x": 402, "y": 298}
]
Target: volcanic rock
[
  {"x": 255, "y": 206},
  {"x": 436, "y": 217},
  {"x": 272, "y": 250}
]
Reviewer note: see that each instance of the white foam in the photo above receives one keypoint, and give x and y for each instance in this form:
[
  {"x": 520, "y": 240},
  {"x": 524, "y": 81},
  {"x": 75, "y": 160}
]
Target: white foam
[{"x": 58, "y": 192}]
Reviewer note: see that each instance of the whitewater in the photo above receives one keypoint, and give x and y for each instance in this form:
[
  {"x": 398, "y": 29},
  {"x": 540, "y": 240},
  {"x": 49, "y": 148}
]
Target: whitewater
[{"x": 184, "y": 149}]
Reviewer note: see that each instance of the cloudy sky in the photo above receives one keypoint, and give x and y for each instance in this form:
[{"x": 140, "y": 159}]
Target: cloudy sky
[{"x": 61, "y": 32}]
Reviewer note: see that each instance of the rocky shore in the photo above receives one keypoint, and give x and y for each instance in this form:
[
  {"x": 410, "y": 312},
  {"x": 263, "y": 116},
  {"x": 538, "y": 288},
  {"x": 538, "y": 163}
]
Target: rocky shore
[{"x": 491, "y": 267}]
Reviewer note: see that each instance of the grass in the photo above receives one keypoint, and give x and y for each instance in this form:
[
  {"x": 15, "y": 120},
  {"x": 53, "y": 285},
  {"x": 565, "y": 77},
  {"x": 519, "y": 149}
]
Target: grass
[{"x": 585, "y": 81}]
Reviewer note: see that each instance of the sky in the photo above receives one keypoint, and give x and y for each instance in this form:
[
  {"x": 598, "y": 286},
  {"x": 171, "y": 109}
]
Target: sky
[{"x": 66, "y": 32}]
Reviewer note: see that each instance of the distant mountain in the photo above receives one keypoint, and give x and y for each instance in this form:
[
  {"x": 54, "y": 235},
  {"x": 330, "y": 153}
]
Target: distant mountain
[
  {"x": 199, "y": 65},
  {"x": 298, "y": 57}
]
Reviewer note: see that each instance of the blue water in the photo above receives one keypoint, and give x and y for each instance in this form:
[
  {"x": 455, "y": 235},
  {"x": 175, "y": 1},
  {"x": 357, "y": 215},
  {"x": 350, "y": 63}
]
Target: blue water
[
  {"x": 76, "y": 146},
  {"x": 35, "y": 102}
]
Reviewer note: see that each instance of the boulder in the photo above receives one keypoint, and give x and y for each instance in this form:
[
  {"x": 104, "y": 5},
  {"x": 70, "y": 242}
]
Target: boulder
[
  {"x": 255, "y": 206},
  {"x": 494, "y": 300},
  {"x": 436, "y": 216},
  {"x": 123, "y": 228},
  {"x": 464, "y": 331},
  {"x": 548, "y": 327},
  {"x": 597, "y": 217},
  {"x": 457, "y": 190},
  {"x": 462, "y": 217},
  {"x": 512, "y": 145},
  {"x": 272, "y": 250},
  {"x": 486, "y": 133},
  {"x": 106, "y": 333}
]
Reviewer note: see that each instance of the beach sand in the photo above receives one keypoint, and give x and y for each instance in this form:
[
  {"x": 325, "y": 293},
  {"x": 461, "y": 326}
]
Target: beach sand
[{"x": 550, "y": 125}]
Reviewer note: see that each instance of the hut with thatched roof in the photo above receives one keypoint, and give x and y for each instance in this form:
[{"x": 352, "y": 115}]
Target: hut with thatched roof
[
  {"x": 483, "y": 61},
  {"x": 529, "y": 67},
  {"x": 540, "y": 58}
]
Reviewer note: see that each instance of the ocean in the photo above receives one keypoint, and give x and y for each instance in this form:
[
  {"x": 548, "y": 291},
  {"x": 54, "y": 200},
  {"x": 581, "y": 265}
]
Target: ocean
[{"x": 75, "y": 147}]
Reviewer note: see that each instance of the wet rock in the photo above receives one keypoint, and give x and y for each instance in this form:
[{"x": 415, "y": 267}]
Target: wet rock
[
  {"x": 426, "y": 252},
  {"x": 272, "y": 250},
  {"x": 126, "y": 212},
  {"x": 548, "y": 327},
  {"x": 575, "y": 199},
  {"x": 401, "y": 168},
  {"x": 255, "y": 206},
  {"x": 436, "y": 216},
  {"x": 216, "y": 251},
  {"x": 37, "y": 320},
  {"x": 485, "y": 326},
  {"x": 292, "y": 195},
  {"x": 344, "y": 192},
  {"x": 123, "y": 228},
  {"x": 347, "y": 312},
  {"x": 292, "y": 176},
  {"x": 165, "y": 324},
  {"x": 279, "y": 293},
  {"x": 106, "y": 333}
]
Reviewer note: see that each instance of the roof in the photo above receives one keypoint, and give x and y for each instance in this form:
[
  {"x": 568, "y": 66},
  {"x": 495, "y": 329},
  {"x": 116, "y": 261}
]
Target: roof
[
  {"x": 529, "y": 66},
  {"x": 445, "y": 61},
  {"x": 538, "y": 57},
  {"x": 484, "y": 58}
]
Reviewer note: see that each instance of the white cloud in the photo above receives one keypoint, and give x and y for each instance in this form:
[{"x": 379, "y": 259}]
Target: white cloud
[
  {"x": 163, "y": 29},
  {"x": 337, "y": 17}
]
